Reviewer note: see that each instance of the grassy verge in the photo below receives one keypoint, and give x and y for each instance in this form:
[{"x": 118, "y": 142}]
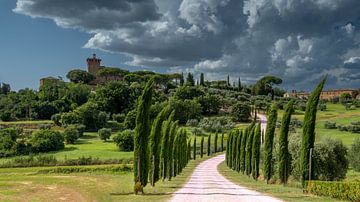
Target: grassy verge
[
  {"x": 285, "y": 193},
  {"x": 103, "y": 183}
]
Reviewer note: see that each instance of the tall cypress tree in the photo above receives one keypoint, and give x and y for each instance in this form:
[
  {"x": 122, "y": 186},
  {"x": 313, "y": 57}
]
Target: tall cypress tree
[
  {"x": 243, "y": 150},
  {"x": 142, "y": 133},
  {"x": 222, "y": 142},
  {"x": 194, "y": 149},
  {"x": 238, "y": 150},
  {"x": 175, "y": 152},
  {"x": 165, "y": 144},
  {"x": 255, "y": 156},
  {"x": 249, "y": 143},
  {"x": 182, "y": 79},
  {"x": 228, "y": 80},
  {"x": 188, "y": 153},
  {"x": 308, "y": 138},
  {"x": 202, "y": 80},
  {"x": 215, "y": 143},
  {"x": 171, "y": 148},
  {"x": 202, "y": 147},
  {"x": 155, "y": 142},
  {"x": 228, "y": 149},
  {"x": 239, "y": 84},
  {"x": 233, "y": 149},
  {"x": 209, "y": 145},
  {"x": 269, "y": 141},
  {"x": 284, "y": 155}
]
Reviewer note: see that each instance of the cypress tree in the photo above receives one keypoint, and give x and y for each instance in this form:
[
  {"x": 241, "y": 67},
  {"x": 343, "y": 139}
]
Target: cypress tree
[
  {"x": 238, "y": 150},
  {"x": 269, "y": 141},
  {"x": 142, "y": 133},
  {"x": 182, "y": 79},
  {"x": 202, "y": 147},
  {"x": 175, "y": 152},
  {"x": 228, "y": 149},
  {"x": 194, "y": 151},
  {"x": 209, "y": 145},
  {"x": 284, "y": 155},
  {"x": 202, "y": 82},
  {"x": 155, "y": 142},
  {"x": 215, "y": 143},
  {"x": 309, "y": 130},
  {"x": 228, "y": 80},
  {"x": 171, "y": 148},
  {"x": 249, "y": 143},
  {"x": 165, "y": 146},
  {"x": 222, "y": 142},
  {"x": 233, "y": 149},
  {"x": 188, "y": 150},
  {"x": 255, "y": 156},
  {"x": 239, "y": 84},
  {"x": 243, "y": 150}
]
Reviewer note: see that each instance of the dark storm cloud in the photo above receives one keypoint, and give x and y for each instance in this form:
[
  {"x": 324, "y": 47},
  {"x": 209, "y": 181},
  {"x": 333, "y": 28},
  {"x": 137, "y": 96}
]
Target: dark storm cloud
[{"x": 298, "y": 40}]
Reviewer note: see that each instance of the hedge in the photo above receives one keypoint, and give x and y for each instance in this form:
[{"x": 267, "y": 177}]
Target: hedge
[
  {"x": 88, "y": 169},
  {"x": 340, "y": 190}
]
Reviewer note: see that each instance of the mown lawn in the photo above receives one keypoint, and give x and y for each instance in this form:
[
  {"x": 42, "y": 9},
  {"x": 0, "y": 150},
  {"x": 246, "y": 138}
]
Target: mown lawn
[
  {"x": 25, "y": 184},
  {"x": 286, "y": 193}
]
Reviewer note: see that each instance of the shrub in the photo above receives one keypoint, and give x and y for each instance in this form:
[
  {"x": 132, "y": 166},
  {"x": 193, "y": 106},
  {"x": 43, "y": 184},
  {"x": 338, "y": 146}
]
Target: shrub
[
  {"x": 56, "y": 118},
  {"x": 186, "y": 110},
  {"x": 130, "y": 119},
  {"x": 70, "y": 118},
  {"x": 115, "y": 126},
  {"x": 5, "y": 116},
  {"x": 46, "y": 140},
  {"x": 104, "y": 134},
  {"x": 125, "y": 140},
  {"x": 192, "y": 123},
  {"x": 118, "y": 117},
  {"x": 80, "y": 128},
  {"x": 330, "y": 125},
  {"x": 322, "y": 107},
  {"x": 340, "y": 190},
  {"x": 241, "y": 112},
  {"x": 44, "y": 126},
  {"x": 354, "y": 157},
  {"x": 71, "y": 134}
]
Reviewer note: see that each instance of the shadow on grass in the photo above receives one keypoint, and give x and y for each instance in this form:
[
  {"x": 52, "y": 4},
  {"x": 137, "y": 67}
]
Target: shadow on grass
[{"x": 145, "y": 194}]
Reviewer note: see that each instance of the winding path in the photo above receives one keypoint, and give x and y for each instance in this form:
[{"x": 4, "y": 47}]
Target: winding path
[{"x": 207, "y": 184}]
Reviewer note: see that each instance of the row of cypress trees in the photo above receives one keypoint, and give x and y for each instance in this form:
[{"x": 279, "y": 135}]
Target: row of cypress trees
[
  {"x": 243, "y": 146},
  {"x": 208, "y": 152},
  {"x": 161, "y": 146}
]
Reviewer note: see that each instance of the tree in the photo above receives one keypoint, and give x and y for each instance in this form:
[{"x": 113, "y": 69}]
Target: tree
[
  {"x": 155, "y": 142},
  {"x": 77, "y": 94},
  {"x": 202, "y": 147},
  {"x": 194, "y": 149},
  {"x": 185, "y": 109},
  {"x": 142, "y": 133},
  {"x": 234, "y": 149},
  {"x": 190, "y": 80},
  {"x": 182, "y": 79},
  {"x": 264, "y": 85},
  {"x": 284, "y": 155},
  {"x": 239, "y": 85},
  {"x": 71, "y": 134},
  {"x": 164, "y": 154},
  {"x": 255, "y": 156},
  {"x": 243, "y": 150},
  {"x": 125, "y": 140},
  {"x": 202, "y": 81},
  {"x": 249, "y": 143},
  {"x": 173, "y": 129},
  {"x": 80, "y": 76},
  {"x": 111, "y": 72},
  {"x": 238, "y": 150},
  {"x": 241, "y": 112},
  {"x": 354, "y": 157},
  {"x": 188, "y": 92},
  {"x": 308, "y": 137},
  {"x": 215, "y": 143},
  {"x": 222, "y": 142},
  {"x": 209, "y": 145},
  {"x": 228, "y": 80},
  {"x": 210, "y": 104},
  {"x": 104, "y": 134},
  {"x": 4, "y": 88},
  {"x": 227, "y": 155},
  {"x": 269, "y": 141}
]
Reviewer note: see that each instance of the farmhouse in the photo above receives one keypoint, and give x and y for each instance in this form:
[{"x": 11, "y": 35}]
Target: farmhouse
[{"x": 325, "y": 95}]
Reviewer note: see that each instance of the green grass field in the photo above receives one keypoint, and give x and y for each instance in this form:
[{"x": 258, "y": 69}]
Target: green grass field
[
  {"x": 286, "y": 193},
  {"x": 25, "y": 184}
]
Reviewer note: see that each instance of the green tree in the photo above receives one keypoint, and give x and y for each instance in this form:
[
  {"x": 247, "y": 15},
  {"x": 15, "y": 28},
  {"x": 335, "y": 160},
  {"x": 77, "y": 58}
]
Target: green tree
[
  {"x": 164, "y": 154},
  {"x": 202, "y": 80},
  {"x": 284, "y": 155},
  {"x": 264, "y": 86},
  {"x": 209, "y": 145},
  {"x": 142, "y": 133},
  {"x": 238, "y": 150},
  {"x": 202, "y": 147},
  {"x": 173, "y": 129},
  {"x": 190, "y": 80},
  {"x": 222, "y": 142},
  {"x": 308, "y": 137},
  {"x": 227, "y": 155},
  {"x": 104, "y": 134},
  {"x": 80, "y": 76},
  {"x": 194, "y": 149},
  {"x": 215, "y": 143},
  {"x": 182, "y": 79},
  {"x": 239, "y": 85},
  {"x": 241, "y": 112},
  {"x": 243, "y": 150},
  {"x": 108, "y": 72},
  {"x": 269, "y": 141},
  {"x": 155, "y": 142},
  {"x": 234, "y": 149},
  {"x": 354, "y": 157},
  {"x": 255, "y": 156},
  {"x": 249, "y": 143}
]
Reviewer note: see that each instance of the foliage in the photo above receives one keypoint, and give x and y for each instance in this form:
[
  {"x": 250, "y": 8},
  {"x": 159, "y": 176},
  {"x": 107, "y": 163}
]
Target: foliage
[
  {"x": 255, "y": 156},
  {"x": 264, "y": 85},
  {"x": 308, "y": 138},
  {"x": 194, "y": 149},
  {"x": 284, "y": 155},
  {"x": 188, "y": 92},
  {"x": 269, "y": 141},
  {"x": 120, "y": 118},
  {"x": 202, "y": 147},
  {"x": 190, "y": 80},
  {"x": 249, "y": 143},
  {"x": 216, "y": 124},
  {"x": 209, "y": 145},
  {"x": 216, "y": 143},
  {"x": 142, "y": 133},
  {"x": 340, "y": 190},
  {"x": 241, "y": 112},
  {"x": 56, "y": 118},
  {"x": 354, "y": 157},
  {"x": 210, "y": 104},
  {"x": 80, "y": 76},
  {"x": 185, "y": 110},
  {"x": 330, "y": 125},
  {"x": 46, "y": 140},
  {"x": 104, "y": 134},
  {"x": 71, "y": 134},
  {"x": 130, "y": 120},
  {"x": 125, "y": 140},
  {"x": 243, "y": 151}
]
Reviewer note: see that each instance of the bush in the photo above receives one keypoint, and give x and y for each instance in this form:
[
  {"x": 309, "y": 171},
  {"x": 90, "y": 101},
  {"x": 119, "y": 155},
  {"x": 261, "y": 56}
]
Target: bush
[
  {"x": 322, "y": 107},
  {"x": 118, "y": 117},
  {"x": 80, "y": 128},
  {"x": 340, "y": 190},
  {"x": 186, "y": 110},
  {"x": 44, "y": 126},
  {"x": 241, "y": 112},
  {"x": 56, "y": 118},
  {"x": 216, "y": 124},
  {"x": 330, "y": 125},
  {"x": 192, "y": 123},
  {"x": 104, "y": 134},
  {"x": 330, "y": 161},
  {"x": 130, "y": 119},
  {"x": 46, "y": 140},
  {"x": 125, "y": 140},
  {"x": 354, "y": 157},
  {"x": 70, "y": 118},
  {"x": 5, "y": 116},
  {"x": 115, "y": 126},
  {"x": 71, "y": 134}
]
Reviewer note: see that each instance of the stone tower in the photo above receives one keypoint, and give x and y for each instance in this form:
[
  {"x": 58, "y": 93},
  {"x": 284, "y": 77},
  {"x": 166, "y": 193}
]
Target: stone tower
[{"x": 93, "y": 64}]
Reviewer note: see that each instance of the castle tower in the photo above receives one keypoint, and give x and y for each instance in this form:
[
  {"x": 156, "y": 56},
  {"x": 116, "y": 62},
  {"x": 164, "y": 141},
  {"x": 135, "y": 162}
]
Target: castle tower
[{"x": 93, "y": 64}]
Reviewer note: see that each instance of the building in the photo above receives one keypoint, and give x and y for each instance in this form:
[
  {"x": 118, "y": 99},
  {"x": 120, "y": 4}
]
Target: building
[
  {"x": 49, "y": 80},
  {"x": 325, "y": 95},
  {"x": 93, "y": 65},
  {"x": 295, "y": 94}
]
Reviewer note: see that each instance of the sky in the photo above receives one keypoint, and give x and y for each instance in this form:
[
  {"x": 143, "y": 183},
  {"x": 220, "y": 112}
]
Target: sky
[{"x": 299, "y": 41}]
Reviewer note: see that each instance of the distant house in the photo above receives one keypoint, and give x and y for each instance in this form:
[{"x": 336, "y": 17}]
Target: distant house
[
  {"x": 49, "y": 80},
  {"x": 325, "y": 95},
  {"x": 295, "y": 94}
]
